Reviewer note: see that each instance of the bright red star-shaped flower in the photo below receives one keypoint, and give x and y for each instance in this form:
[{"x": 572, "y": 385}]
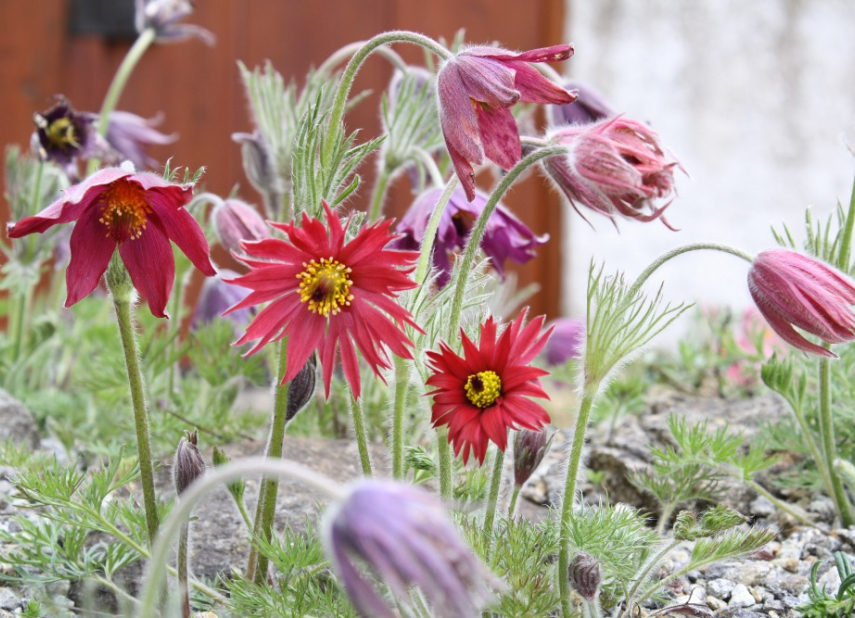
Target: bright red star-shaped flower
[
  {"x": 327, "y": 294},
  {"x": 137, "y": 212},
  {"x": 488, "y": 391}
]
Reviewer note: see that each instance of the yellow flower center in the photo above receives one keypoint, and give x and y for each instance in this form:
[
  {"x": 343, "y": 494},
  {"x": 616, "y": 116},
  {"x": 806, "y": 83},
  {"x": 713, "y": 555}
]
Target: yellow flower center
[
  {"x": 62, "y": 134},
  {"x": 325, "y": 286},
  {"x": 483, "y": 388},
  {"x": 125, "y": 210}
]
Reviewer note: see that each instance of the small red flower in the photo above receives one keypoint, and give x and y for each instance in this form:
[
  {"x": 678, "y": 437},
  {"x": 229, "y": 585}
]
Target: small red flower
[
  {"x": 488, "y": 391},
  {"x": 138, "y": 212},
  {"x": 476, "y": 89},
  {"x": 327, "y": 294}
]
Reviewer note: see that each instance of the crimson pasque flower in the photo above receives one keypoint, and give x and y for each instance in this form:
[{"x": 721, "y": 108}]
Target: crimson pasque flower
[
  {"x": 488, "y": 391},
  {"x": 326, "y": 293},
  {"x": 791, "y": 289},
  {"x": 138, "y": 212},
  {"x": 476, "y": 88}
]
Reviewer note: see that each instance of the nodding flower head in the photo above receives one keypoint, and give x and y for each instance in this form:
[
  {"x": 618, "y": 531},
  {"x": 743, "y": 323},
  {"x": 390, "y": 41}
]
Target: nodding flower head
[
  {"x": 64, "y": 135},
  {"x": 165, "y": 17}
]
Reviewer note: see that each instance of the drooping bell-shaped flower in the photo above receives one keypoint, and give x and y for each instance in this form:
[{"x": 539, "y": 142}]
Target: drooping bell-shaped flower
[
  {"x": 165, "y": 17},
  {"x": 65, "y": 136},
  {"x": 129, "y": 135},
  {"x": 565, "y": 342}
]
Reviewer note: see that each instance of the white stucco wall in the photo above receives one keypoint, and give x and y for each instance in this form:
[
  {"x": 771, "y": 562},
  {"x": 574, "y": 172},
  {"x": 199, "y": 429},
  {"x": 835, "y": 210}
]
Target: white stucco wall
[{"x": 756, "y": 99}]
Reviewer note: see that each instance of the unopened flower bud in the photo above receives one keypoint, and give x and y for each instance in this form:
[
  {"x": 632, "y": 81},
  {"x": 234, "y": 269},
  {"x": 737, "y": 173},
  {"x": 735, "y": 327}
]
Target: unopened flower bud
[
  {"x": 260, "y": 169},
  {"x": 235, "y": 220},
  {"x": 188, "y": 465},
  {"x": 529, "y": 449},
  {"x": 565, "y": 342},
  {"x": 301, "y": 388},
  {"x": 585, "y": 576}
]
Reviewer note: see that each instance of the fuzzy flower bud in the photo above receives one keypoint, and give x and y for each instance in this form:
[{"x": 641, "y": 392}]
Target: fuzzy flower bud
[
  {"x": 260, "y": 169},
  {"x": 585, "y": 576},
  {"x": 529, "y": 449},
  {"x": 565, "y": 342},
  {"x": 235, "y": 220},
  {"x": 588, "y": 107},
  {"x": 165, "y": 17},
  {"x": 188, "y": 464},
  {"x": 217, "y": 296},
  {"x": 791, "y": 289},
  {"x": 403, "y": 534},
  {"x": 301, "y": 388},
  {"x": 616, "y": 167}
]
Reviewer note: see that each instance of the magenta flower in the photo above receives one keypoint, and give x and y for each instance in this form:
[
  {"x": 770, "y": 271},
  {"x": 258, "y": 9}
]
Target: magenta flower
[
  {"x": 137, "y": 212},
  {"x": 791, "y": 289},
  {"x": 235, "y": 220},
  {"x": 565, "y": 342},
  {"x": 616, "y": 167},
  {"x": 506, "y": 237},
  {"x": 477, "y": 88},
  {"x": 405, "y": 537},
  {"x": 129, "y": 135}
]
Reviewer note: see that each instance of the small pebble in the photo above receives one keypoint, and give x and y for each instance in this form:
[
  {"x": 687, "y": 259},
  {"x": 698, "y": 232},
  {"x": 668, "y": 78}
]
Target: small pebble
[
  {"x": 741, "y": 597},
  {"x": 720, "y": 588},
  {"x": 715, "y": 604}
]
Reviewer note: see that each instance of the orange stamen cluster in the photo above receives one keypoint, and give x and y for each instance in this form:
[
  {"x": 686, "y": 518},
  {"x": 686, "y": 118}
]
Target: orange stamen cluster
[
  {"x": 125, "y": 210},
  {"x": 325, "y": 286}
]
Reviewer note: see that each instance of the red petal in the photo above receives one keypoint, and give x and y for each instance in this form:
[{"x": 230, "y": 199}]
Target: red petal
[
  {"x": 180, "y": 226},
  {"x": 91, "y": 251},
  {"x": 499, "y": 135},
  {"x": 151, "y": 265}
]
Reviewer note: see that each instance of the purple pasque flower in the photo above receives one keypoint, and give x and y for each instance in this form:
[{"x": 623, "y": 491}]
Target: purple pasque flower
[
  {"x": 791, "y": 289},
  {"x": 235, "y": 220},
  {"x": 165, "y": 17},
  {"x": 589, "y": 106},
  {"x": 565, "y": 342},
  {"x": 476, "y": 88},
  {"x": 64, "y": 135},
  {"x": 616, "y": 167},
  {"x": 128, "y": 136},
  {"x": 217, "y": 296},
  {"x": 404, "y": 536},
  {"x": 506, "y": 237}
]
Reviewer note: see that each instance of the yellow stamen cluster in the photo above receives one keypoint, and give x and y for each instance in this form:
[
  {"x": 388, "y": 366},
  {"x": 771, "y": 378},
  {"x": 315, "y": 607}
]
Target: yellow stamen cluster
[
  {"x": 325, "y": 286},
  {"x": 125, "y": 211},
  {"x": 62, "y": 133},
  {"x": 483, "y": 388}
]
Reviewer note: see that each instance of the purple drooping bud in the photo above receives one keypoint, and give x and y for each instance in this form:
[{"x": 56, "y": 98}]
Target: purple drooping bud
[
  {"x": 260, "y": 169},
  {"x": 565, "y": 342},
  {"x": 585, "y": 576},
  {"x": 405, "y": 537},
  {"x": 188, "y": 465},
  {"x": 588, "y": 107},
  {"x": 129, "y": 135},
  {"x": 235, "y": 220},
  {"x": 217, "y": 296},
  {"x": 165, "y": 17},
  {"x": 529, "y": 449},
  {"x": 301, "y": 388}
]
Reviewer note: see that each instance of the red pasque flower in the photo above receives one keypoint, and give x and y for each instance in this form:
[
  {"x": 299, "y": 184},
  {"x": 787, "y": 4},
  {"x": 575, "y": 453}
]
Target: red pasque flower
[
  {"x": 488, "y": 391},
  {"x": 327, "y": 294},
  {"x": 137, "y": 212},
  {"x": 476, "y": 89},
  {"x": 791, "y": 289}
]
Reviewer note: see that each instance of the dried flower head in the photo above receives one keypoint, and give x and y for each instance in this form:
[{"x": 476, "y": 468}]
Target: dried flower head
[
  {"x": 616, "y": 167},
  {"x": 791, "y": 289},
  {"x": 188, "y": 464},
  {"x": 476, "y": 88},
  {"x": 404, "y": 536}
]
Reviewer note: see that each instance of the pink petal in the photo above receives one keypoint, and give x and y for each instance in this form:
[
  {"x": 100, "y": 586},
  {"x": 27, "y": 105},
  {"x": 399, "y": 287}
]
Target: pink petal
[{"x": 499, "y": 135}]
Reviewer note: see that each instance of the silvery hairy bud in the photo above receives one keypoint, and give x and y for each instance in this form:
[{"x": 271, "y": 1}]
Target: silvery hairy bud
[
  {"x": 585, "y": 576},
  {"x": 188, "y": 464},
  {"x": 301, "y": 388}
]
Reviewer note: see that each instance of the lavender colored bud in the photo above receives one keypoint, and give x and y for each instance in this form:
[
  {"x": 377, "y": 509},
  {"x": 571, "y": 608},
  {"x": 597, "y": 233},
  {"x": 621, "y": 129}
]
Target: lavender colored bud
[
  {"x": 217, "y": 296},
  {"x": 529, "y": 449},
  {"x": 301, "y": 388},
  {"x": 589, "y": 106},
  {"x": 260, "y": 169},
  {"x": 404, "y": 536},
  {"x": 585, "y": 576},
  {"x": 165, "y": 16},
  {"x": 235, "y": 220},
  {"x": 128, "y": 136},
  {"x": 565, "y": 342},
  {"x": 188, "y": 464}
]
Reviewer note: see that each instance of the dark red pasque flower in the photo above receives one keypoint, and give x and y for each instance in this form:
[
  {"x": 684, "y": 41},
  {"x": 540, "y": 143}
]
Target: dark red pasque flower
[
  {"x": 64, "y": 135},
  {"x": 327, "y": 294},
  {"x": 791, "y": 289},
  {"x": 137, "y": 212},
  {"x": 488, "y": 391},
  {"x": 476, "y": 89}
]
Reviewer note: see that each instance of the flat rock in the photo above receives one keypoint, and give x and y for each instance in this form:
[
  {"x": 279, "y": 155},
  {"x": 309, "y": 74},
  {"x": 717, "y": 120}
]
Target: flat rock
[{"x": 17, "y": 424}]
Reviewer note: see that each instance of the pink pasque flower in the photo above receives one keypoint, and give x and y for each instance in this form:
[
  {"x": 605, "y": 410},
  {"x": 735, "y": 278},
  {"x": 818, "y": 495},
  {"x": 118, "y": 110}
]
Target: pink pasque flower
[
  {"x": 137, "y": 212},
  {"x": 616, "y": 167},
  {"x": 791, "y": 289},
  {"x": 477, "y": 88}
]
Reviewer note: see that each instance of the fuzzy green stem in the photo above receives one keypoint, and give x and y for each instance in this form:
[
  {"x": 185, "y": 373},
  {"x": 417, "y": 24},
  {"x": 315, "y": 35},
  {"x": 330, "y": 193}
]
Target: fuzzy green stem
[
  {"x": 120, "y": 79},
  {"x": 574, "y": 461},
  {"x": 493, "y": 498},
  {"x": 361, "y": 438},
  {"x": 780, "y": 504},
  {"x": 126, "y": 330},
  {"x": 446, "y": 468},
  {"x": 512, "y": 507},
  {"x": 636, "y": 286},
  {"x": 829, "y": 447},
  {"x": 846, "y": 239},
  {"x": 381, "y": 184},
  {"x": 346, "y": 83},
  {"x": 343, "y": 53},
  {"x": 266, "y": 507},
  {"x": 402, "y": 382},
  {"x": 423, "y": 266},
  {"x": 645, "y": 571},
  {"x": 183, "y": 538},
  {"x": 473, "y": 243},
  {"x": 227, "y": 473},
  {"x": 20, "y": 317},
  {"x": 818, "y": 459}
]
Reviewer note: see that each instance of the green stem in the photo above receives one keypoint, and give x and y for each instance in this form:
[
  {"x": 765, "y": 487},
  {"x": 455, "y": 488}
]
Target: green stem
[
  {"x": 636, "y": 286},
  {"x": 446, "y": 467},
  {"x": 182, "y": 570},
  {"x": 570, "y": 494},
  {"x": 361, "y": 439},
  {"x": 346, "y": 82},
  {"x": 402, "y": 383},
  {"x": 126, "y": 330},
  {"x": 512, "y": 507},
  {"x": 477, "y": 235},
  {"x": 379, "y": 193},
  {"x": 846, "y": 239},
  {"x": 818, "y": 459},
  {"x": 423, "y": 266},
  {"x": 20, "y": 318},
  {"x": 780, "y": 504},
  {"x": 493, "y": 498},
  {"x": 829, "y": 447},
  {"x": 645, "y": 571},
  {"x": 269, "y": 487}
]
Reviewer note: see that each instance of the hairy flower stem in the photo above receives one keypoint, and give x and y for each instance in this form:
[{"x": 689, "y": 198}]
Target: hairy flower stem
[
  {"x": 25, "y": 296},
  {"x": 493, "y": 499},
  {"x": 844, "y": 253},
  {"x": 513, "y": 504},
  {"x": 423, "y": 266},
  {"x": 829, "y": 447},
  {"x": 361, "y": 438},
  {"x": 126, "y": 331},
  {"x": 477, "y": 235},
  {"x": 642, "y": 576},
  {"x": 574, "y": 461},
  {"x": 402, "y": 382},
  {"x": 381, "y": 185},
  {"x": 183, "y": 538},
  {"x": 446, "y": 468},
  {"x": 340, "y": 102},
  {"x": 152, "y": 585},
  {"x": 266, "y": 508}
]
